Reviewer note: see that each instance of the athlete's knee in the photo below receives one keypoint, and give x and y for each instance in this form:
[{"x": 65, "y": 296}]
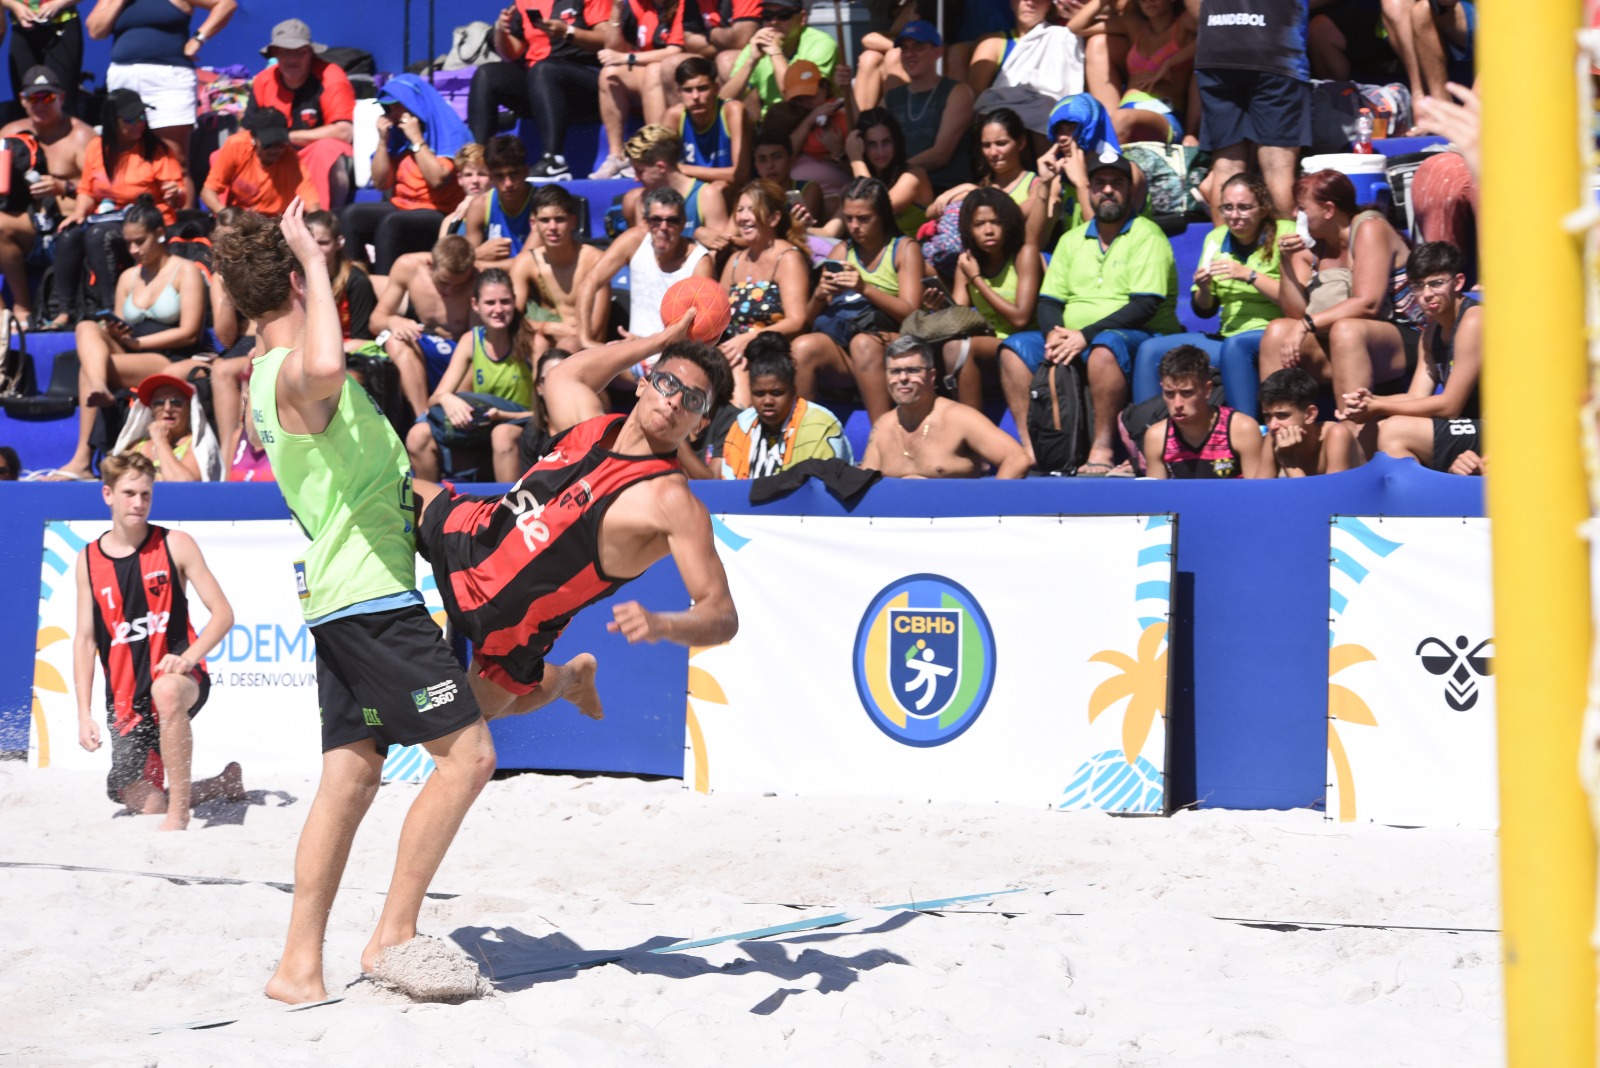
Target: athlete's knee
[
  {"x": 172, "y": 694},
  {"x": 402, "y": 352},
  {"x": 469, "y": 756},
  {"x": 419, "y": 438},
  {"x": 506, "y": 438}
]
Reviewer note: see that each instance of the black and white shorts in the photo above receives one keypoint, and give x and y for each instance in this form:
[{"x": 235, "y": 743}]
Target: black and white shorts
[
  {"x": 391, "y": 677},
  {"x": 1451, "y": 438}
]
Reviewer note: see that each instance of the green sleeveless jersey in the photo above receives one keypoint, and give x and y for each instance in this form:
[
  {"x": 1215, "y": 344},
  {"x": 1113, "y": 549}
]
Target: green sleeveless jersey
[{"x": 349, "y": 488}]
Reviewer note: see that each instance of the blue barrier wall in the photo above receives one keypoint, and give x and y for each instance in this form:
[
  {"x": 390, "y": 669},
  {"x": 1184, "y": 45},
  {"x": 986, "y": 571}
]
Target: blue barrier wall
[{"x": 1249, "y": 660}]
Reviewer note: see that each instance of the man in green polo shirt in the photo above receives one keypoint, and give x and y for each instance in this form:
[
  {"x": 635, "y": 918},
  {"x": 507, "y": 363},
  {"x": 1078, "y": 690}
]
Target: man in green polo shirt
[
  {"x": 1111, "y": 285},
  {"x": 384, "y": 672},
  {"x": 757, "y": 74}
]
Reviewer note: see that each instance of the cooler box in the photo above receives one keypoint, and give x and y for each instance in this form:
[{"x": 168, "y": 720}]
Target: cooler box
[{"x": 1365, "y": 171}]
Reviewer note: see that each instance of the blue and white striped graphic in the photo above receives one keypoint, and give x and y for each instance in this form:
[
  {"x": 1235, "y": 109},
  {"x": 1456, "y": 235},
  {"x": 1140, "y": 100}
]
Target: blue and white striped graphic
[
  {"x": 1107, "y": 782},
  {"x": 1153, "y": 595},
  {"x": 411, "y": 763},
  {"x": 61, "y": 549},
  {"x": 1353, "y": 549}
]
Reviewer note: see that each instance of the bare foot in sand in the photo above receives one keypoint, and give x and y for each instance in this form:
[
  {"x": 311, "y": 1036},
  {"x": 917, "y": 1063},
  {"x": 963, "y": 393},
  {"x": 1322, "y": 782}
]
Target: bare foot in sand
[
  {"x": 579, "y": 688},
  {"x": 295, "y": 990},
  {"x": 174, "y": 822}
]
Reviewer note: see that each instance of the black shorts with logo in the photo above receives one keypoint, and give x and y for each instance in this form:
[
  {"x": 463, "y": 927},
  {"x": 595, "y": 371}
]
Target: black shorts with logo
[
  {"x": 391, "y": 677},
  {"x": 1451, "y": 438}
]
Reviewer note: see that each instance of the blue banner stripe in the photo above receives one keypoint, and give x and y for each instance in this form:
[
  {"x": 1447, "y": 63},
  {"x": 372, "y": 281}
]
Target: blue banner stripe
[
  {"x": 1337, "y": 601},
  {"x": 1155, "y": 554},
  {"x": 1365, "y": 535},
  {"x": 727, "y": 536},
  {"x": 1153, "y": 591},
  {"x": 1343, "y": 561},
  {"x": 54, "y": 562},
  {"x": 1157, "y": 521}
]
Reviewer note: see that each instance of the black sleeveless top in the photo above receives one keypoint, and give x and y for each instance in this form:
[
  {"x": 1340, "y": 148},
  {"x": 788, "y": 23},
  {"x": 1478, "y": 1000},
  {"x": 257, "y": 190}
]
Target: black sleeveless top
[{"x": 1444, "y": 356}]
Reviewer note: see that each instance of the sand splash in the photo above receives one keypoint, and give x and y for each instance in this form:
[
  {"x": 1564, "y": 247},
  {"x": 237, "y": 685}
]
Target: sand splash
[{"x": 429, "y": 969}]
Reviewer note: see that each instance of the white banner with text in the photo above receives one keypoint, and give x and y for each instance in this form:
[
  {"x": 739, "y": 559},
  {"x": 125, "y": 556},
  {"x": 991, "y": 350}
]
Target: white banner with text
[
  {"x": 1017, "y": 658},
  {"x": 1411, "y": 694}
]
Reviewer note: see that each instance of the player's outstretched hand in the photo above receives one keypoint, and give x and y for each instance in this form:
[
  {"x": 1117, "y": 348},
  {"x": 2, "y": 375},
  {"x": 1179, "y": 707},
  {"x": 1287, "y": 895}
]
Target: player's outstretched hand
[
  {"x": 298, "y": 236},
  {"x": 679, "y": 330},
  {"x": 635, "y": 624}
]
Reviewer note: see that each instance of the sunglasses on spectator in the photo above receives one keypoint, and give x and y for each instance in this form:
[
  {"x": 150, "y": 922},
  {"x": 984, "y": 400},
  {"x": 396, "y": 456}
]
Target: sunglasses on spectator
[
  {"x": 48, "y": 97},
  {"x": 667, "y": 384},
  {"x": 169, "y": 402},
  {"x": 663, "y": 220}
]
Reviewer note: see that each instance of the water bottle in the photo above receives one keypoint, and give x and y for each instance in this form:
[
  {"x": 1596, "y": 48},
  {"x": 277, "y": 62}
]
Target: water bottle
[{"x": 1363, "y": 142}]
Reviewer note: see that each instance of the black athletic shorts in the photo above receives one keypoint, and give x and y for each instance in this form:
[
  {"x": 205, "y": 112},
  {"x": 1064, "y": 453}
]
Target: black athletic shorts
[
  {"x": 1451, "y": 438},
  {"x": 389, "y": 676},
  {"x": 1254, "y": 106},
  {"x": 137, "y": 754}
]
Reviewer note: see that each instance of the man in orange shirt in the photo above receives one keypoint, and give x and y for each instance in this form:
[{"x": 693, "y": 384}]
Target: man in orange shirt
[
  {"x": 317, "y": 100},
  {"x": 256, "y": 171}
]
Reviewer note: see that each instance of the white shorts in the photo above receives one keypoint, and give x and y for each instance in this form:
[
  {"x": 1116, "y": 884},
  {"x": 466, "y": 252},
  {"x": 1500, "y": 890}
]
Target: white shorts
[{"x": 169, "y": 92}]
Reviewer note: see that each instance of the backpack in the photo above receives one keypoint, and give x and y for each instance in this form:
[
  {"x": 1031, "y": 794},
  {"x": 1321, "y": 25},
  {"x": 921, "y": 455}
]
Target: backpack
[
  {"x": 1059, "y": 415},
  {"x": 470, "y": 45},
  {"x": 1174, "y": 174}
]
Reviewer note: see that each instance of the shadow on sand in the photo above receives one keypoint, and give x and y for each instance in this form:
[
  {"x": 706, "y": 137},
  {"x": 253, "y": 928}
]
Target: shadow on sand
[{"x": 506, "y": 951}]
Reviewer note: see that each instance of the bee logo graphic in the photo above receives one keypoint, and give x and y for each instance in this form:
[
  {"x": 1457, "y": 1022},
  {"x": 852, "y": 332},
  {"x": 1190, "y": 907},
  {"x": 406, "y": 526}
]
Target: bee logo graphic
[{"x": 1461, "y": 667}]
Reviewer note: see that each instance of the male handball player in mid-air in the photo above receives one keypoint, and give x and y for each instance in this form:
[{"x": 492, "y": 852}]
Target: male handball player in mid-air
[{"x": 604, "y": 503}]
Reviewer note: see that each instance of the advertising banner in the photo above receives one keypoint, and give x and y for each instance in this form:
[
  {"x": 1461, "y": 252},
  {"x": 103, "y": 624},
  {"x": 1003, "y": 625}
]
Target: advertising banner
[
  {"x": 262, "y": 710},
  {"x": 1411, "y": 694},
  {"x": 1016, "y": 658}
]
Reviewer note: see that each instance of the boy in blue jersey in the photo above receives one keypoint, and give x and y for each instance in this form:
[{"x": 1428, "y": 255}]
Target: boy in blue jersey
[
  {"x": 500, "y": 220},
  {"x": 718, "y": 135}
]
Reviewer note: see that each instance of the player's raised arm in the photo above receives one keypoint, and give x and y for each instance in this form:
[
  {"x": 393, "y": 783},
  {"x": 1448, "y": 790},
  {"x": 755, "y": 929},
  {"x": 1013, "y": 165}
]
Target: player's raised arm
[
  {"x": 321, "y": 358},
  {"x": 571, "y": 391}
]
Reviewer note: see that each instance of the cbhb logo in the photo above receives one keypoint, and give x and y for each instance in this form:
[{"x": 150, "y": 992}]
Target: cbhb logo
[{"x": 924, "y": 660}]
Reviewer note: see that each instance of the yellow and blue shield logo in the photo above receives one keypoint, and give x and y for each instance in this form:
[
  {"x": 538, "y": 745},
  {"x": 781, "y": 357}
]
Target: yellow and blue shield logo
[{"x": 924, "y": 660}]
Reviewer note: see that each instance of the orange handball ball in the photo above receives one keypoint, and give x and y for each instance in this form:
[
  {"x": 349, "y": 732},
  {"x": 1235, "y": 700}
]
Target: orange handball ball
[{"x": 711, "y": 308}]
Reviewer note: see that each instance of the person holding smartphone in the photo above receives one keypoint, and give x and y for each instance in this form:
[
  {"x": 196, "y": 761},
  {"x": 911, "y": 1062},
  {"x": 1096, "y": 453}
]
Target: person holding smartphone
[{"x": 160, "y": 312}]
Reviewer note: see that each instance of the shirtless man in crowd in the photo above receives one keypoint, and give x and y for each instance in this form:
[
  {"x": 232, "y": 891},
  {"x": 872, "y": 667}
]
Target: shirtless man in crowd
[
  {"x": 63, "y": 139},
  {"x": 438, "y": 286},
  {"x": 545, "y": 274},
  {"x": 928, "y": 436}
]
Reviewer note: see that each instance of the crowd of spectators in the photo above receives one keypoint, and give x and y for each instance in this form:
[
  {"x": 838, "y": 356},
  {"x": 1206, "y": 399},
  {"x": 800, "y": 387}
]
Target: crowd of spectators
[{"x": 924, "y": 234}]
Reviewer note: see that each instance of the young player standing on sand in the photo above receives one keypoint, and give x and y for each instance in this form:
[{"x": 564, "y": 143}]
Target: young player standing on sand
[
  {"x": 133, "y": 606},
  {"x": 604, "y": 503},
  {"x": 384, "y": 672}
]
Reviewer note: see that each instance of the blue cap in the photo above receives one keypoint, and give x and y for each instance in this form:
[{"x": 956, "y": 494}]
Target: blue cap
[{"x": 920, "y": 30}]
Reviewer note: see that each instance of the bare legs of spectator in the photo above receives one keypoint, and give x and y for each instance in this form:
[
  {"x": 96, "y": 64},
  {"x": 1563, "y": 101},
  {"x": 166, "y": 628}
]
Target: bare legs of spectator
[
  {"x": 1401, "y": 436},
  {"x": 1430, "y": 33},
  {"x": 413, "y": 371},
  {"x": 505, "y": 443},
  {"x": 426, "y": 462},
  {"x": 341, "y": 177},
  {"x": 816, "y": 355},
  {"x": 1363, "y": 353},
  {"x": 1104, "y": 59},
  {"x": 104, "y": 366},
  {"x": 1277, "y": 167},
  {"x": 177, "y": 139},
  {"x": 1397, "y": 21},
  {"x": 1326, "y": 49},
  {"x": 16, "y": 238},
  {"x": 1108, "y": 392},
  {"x": 619, "y": 86},
  {"x": 1015, "y": 382}
]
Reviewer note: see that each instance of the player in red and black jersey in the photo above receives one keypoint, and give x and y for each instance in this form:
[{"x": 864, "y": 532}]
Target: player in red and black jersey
[
  {"x": 604, "y": 503},
  {"x": 133, "y": 610}
]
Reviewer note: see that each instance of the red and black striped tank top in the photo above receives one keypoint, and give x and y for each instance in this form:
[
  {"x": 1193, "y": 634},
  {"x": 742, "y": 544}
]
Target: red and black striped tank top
[
  {"x": 521, "y": 566},
  {"x": 141, "y": 614}
]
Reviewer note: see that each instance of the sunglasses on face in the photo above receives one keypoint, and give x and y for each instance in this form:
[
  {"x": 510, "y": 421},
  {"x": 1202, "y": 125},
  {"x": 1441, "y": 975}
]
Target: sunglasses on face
[
  {"x": 697, "y": 401},
  {"x": 664, "y": 220},
  {"x": 168, "y": 402},
  {"x": 42, "y": 98}
]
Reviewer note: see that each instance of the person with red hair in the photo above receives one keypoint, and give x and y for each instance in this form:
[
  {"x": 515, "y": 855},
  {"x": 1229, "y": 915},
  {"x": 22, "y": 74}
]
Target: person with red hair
[{"x": 1356, "y": 324}]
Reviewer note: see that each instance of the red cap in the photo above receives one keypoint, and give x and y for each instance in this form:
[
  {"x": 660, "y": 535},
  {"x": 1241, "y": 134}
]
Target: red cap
[{"x": 147, "y": 388}]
